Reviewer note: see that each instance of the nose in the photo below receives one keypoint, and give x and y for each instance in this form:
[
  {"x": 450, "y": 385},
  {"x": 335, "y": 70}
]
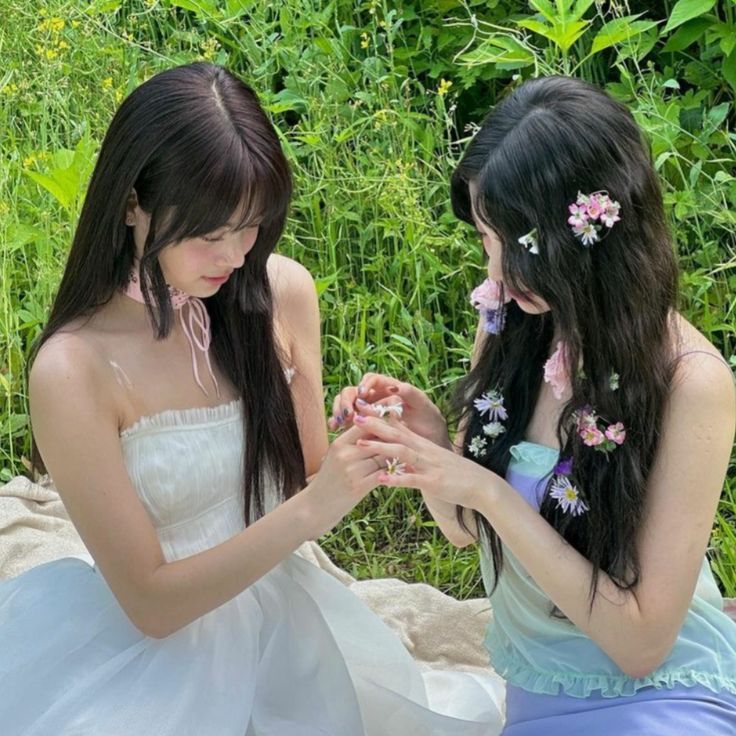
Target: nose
[{"x": 234, "y": 252}]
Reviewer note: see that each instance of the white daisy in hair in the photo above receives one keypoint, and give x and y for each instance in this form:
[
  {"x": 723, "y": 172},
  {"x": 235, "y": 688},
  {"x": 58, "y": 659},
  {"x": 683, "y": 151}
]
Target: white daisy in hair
[
  {"x": 491, "y": 402},
  {"x": 493, "y": 429},
  {"x": 567, "y": 496},
  {"x": 477, "y": 446}
]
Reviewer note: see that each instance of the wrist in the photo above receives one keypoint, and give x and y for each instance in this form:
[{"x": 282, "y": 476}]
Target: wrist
[
  {"x": 484, "y": 491},
  {"x": 305, "y": 513}
]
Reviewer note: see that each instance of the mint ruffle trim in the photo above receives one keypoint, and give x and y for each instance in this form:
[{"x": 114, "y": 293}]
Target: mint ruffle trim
[{"x": 583, "y": 685}]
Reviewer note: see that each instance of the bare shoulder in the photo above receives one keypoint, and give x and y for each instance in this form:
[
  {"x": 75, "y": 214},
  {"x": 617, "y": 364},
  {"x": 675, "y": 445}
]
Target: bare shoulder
[
  {"x": 70, "y": 367},
  {"x": 703, "y": 383},
  {"x": 292, "y": 284}
]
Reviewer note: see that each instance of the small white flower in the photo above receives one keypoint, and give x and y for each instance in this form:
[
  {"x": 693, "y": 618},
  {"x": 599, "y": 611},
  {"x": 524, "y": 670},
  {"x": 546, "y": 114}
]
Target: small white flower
[
  {"x": 384, "y": 409},
  {"x": 567, "y": 496},
  {"x": 477, "y": 446},
  {"x": 493, "y": 429},
  {"x": 529, "y": 241},
  {"x": 394, "y": 467},
  {"x": 614, "y": 381},
  {"x": 588, "y": 233}
]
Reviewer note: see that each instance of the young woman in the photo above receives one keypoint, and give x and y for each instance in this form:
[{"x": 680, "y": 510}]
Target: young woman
[
  {"x": 176, "y": 401},
  {"x": 598, "y": 425}
]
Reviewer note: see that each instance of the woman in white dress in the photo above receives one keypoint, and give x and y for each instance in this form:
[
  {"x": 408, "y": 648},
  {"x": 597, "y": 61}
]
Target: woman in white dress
[{"x": 176, "y": 402}]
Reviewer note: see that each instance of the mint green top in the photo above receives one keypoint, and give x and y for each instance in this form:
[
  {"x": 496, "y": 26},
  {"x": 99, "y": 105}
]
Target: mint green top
[{"x": 544, "y": 654}]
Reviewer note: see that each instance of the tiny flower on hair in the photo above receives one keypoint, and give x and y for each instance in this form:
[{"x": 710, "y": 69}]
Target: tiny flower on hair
[
  {"x": 493, "y": 429},
  {"x": 614, "y": 381},
  {"x": 529, "y": 241},
  {"x": 477, "y": 446},
  {"x": 610, "y": 214},
  {"x": 588, "y": 233},
  {"x": 616, "y": 433},
  {"x": 556, "y": 372},
  {"x": 394, "y": 467},
  {"x": 578, "y": 215},
  {"x": 567, "y": 496},
  {"x": 592, "y": 436},
  {"x": 563, "y": 467},
  {"x": 491, "y": 402}
]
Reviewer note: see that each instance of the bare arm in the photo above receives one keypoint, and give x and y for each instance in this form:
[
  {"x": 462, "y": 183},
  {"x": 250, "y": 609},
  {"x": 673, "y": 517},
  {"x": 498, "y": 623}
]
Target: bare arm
[
  {"x": 76, "y": 422},
  {"x": 636, "y": 628},
  {"x": 297, "y": 311}
]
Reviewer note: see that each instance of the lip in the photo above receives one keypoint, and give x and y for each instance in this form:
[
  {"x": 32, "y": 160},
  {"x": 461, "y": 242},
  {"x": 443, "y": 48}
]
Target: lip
[{"x": 217, "y": 279}]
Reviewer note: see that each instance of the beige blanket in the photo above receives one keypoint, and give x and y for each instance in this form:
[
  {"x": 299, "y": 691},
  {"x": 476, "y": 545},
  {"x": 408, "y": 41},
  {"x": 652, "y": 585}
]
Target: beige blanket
[{"x": 439, "y": 631}]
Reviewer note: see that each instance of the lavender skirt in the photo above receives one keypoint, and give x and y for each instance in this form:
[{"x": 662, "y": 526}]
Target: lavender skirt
[{"x": 681, "y": 711}]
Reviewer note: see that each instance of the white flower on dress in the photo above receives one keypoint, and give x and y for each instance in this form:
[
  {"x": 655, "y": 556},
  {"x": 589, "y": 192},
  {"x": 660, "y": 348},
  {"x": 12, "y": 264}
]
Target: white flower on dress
[{"x": 567, "y": 496}]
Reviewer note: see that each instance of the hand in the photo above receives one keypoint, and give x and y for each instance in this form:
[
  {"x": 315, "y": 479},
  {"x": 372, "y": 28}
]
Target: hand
[
  {"x": 419, "y": 413},
  {"x": 439, "y": 473},
  {"x": 347, "y": 474}
]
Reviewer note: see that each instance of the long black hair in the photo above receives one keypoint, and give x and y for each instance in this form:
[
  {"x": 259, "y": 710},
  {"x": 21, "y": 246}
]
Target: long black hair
[
  {"x": 611, "y": 303},
  {"x": 195, "y": 145}
]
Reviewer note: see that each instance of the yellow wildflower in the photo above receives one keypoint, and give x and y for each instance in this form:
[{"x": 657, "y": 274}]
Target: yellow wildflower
[
  {"x": 29, "y": 161},
  {"x": 107, "y": 83},
  {"x": 444, "y": 87},
  {"x": 9, "y": 88},
  {"x": 364, "y": 40}
]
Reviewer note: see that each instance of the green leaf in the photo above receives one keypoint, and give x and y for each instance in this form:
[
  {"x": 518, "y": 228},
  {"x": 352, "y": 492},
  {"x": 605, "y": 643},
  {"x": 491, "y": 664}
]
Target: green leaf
[
  {"x": 499, "y": 49},
  {"x": 685, "y": 10},
  {"x": 618, "y": 30},
  {"x": 687, "y": 34},
  {"x": 729, "y": 70}
]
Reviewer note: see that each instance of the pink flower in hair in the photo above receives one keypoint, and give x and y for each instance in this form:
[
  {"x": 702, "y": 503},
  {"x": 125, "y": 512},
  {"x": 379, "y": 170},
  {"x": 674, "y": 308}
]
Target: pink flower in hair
[
  {"x": 610, "y": 213},
  {"x": 578, "y": 215},
  {"x": 487, "y": 295},
  {"x": 556, "y": 372},
  {"x": 595, "y": 206},
  {"x": 616, "y": 433},
  {"x": 592, "y": 436}
]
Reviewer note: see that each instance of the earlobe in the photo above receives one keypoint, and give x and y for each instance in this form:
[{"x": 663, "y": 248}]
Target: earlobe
[{"x": 130, "y": 208}]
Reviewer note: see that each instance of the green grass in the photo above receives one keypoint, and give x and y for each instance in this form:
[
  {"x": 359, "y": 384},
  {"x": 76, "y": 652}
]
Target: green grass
[{"x": 354, "y": 89}]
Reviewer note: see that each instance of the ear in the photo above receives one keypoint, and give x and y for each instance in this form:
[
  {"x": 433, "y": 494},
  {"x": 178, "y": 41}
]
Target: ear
[{"x": 130, "y": 208}]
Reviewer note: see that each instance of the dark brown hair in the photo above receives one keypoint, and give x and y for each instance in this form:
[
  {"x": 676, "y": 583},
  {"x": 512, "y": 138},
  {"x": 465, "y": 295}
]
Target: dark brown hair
[
  {"x": 196, "y": 146},
  {"x": 611, "y": 303}
]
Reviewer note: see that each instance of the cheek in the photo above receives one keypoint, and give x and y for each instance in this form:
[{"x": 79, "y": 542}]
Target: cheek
[{"x": 184, "y": 259}]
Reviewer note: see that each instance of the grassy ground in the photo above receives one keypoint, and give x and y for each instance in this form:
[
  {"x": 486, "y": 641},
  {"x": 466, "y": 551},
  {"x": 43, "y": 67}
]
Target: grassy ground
[{"x": 372, "y": 130}]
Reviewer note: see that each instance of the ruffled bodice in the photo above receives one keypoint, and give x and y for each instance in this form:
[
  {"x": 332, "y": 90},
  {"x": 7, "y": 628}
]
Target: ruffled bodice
[
  {"x": 186, "y": 466},
  {"x": 548, "y": 654}
]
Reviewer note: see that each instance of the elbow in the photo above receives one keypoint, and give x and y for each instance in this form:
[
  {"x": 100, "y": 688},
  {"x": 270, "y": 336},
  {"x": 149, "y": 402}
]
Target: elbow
[{"x": 645, "y": 659}]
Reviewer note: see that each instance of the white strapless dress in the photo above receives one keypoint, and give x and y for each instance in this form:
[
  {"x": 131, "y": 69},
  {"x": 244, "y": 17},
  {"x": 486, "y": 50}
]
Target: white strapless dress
[{"x": 295, "y": 654}]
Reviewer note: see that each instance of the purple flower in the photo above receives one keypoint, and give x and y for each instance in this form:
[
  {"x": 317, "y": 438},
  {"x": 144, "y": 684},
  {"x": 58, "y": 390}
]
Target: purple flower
[
  {"x": 563, "y": 467},
  {"x": 491, "y": 402},
  {"x": 495, "y": 319},
  {"x": 567, "y": 496}
]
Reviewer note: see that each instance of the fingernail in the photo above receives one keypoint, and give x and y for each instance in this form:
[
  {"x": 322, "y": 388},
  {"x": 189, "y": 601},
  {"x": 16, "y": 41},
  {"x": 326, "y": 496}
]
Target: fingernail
[
  {"x": 345, "y": 412},
  {"x": 361, "y": 402},
  {"x": 360, "y": 419},
  {"x": 393, "y": 389},
  {"x": 361, "y": 390},
  {"x": 339, "y": 420}
]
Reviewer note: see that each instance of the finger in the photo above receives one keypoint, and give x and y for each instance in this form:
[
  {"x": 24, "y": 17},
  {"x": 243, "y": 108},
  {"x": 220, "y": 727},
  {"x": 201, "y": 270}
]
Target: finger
[
  {"x": 388, "y": 430},
  {"x": 376, "y": 386},
  {"x": 342, "y": 407},
  {"x": 401, "y": 480},
  {"x": 387, "y": 450}
]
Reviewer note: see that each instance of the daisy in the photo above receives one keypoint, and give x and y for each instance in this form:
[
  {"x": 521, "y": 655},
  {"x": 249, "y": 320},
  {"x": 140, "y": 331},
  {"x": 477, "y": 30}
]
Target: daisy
[
  {"x": 529, "y": 241},
  {"x": 588, "y": 233},
  {"x": 491, "y": 402},
  {"x": 384, "y": 409},
  {"x": 567, "y": 496},
  {"x": 394, "y": 467}
]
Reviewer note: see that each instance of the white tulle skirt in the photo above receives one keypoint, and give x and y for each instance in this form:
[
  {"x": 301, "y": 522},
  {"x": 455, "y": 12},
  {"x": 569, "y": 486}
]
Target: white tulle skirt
[{"x": 296, "y": 654}]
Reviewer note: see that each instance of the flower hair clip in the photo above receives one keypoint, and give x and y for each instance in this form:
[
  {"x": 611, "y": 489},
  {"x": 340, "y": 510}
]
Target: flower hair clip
[
  {"x": 486, "y": 298},
  {"x": 490, "y": 403},
  {"x": 530, "y": 242},
  {"x": 590, "y": 213}
]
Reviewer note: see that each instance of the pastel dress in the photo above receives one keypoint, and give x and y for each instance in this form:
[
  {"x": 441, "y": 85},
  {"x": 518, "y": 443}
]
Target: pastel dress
[
  {"x": 560, "y": 683},
  {"x": 295, "y": 654}
]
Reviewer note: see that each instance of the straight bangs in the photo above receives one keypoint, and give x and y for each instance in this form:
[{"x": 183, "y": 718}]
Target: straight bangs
[{"x": 227, "y": 184}]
